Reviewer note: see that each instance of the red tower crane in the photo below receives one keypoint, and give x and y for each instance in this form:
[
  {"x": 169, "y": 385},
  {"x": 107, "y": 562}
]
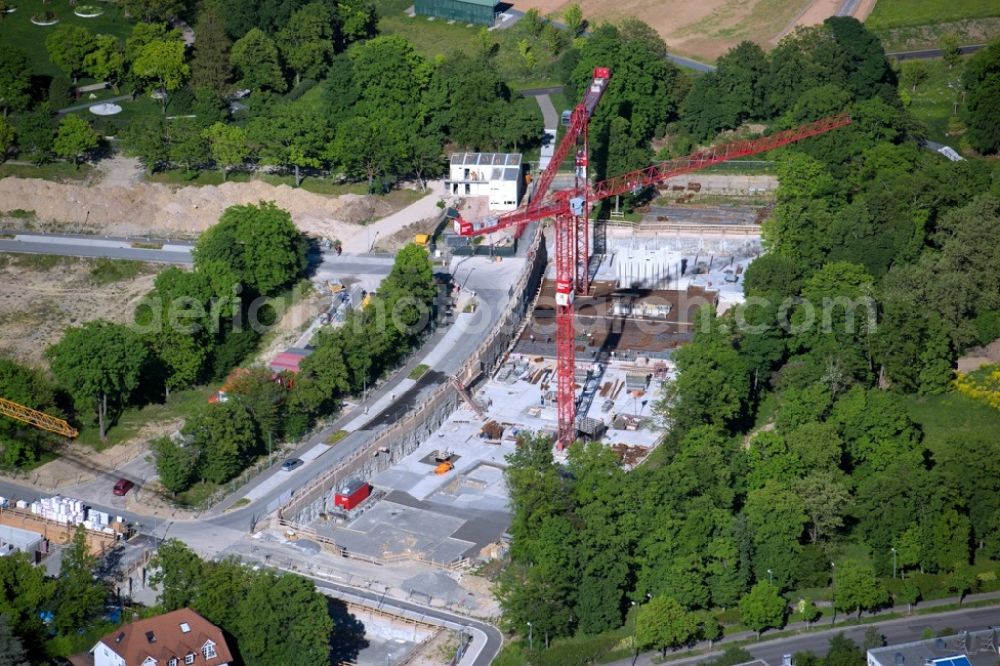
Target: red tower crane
[{"x": 571, "y": 211}]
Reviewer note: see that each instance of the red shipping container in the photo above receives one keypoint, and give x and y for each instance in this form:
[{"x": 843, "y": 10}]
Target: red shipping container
[{"x": 351, "y": 494}]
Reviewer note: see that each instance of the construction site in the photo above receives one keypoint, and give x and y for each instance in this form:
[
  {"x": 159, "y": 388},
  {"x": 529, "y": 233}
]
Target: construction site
[{"x": 581, "y": 349}]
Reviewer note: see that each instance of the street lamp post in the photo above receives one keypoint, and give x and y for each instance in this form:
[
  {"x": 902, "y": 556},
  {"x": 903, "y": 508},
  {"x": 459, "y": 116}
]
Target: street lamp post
[
  {"x": 893, "y": 562},
  {"x": 833, "y": 590},
  {"x": 770, "y": 576},
  {"x": 531, "y": 642}
]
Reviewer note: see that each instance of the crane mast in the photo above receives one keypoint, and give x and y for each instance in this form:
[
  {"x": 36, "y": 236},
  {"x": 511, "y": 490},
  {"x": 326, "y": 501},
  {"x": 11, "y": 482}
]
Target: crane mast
[{"x": 571, "y": 211}]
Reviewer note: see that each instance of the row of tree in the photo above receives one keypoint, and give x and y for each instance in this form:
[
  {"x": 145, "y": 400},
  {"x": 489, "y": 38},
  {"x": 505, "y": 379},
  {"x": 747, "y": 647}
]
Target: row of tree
[{"x": 222, "y": 439}]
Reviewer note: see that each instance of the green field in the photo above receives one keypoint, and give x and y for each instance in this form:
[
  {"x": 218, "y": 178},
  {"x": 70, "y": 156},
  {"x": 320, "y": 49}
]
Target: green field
[
  {"x": 933, "y": 101},
  {"x": 901, "y": 13},
  {"x": 430, "y": 38},
  {"x": 953, "y": 415},
  {"x": 16, "y": 29}
]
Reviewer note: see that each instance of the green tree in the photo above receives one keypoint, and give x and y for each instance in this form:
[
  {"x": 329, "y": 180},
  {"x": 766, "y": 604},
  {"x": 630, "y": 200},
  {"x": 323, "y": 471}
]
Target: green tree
[
  {"x": 75, "y": 139},
  {"x": 981, "y": 80},
  {"x": 20, "y": 444},
  {"x": 210, "y": 68},
  {"x": 226, "y": 437},
  {"x": 255, "y": 58},
  {"x": 573, "y": 18},
  {"x": 296, "y": 629},
  {"x": 24, "y": 595},
  {"x": 178, "y": 572},
  {"x": 908, "y": 593},
  {"x": 98, "y": 362},
  {"x": 258, "y": 245},
  {"x": 394, "y": 77},
  {"x": 776, "y": 517},
  {"x": 146, "y": 138},
  {"x": 663, "y": 623},
  {"x": 763, "y": 607},
  {"x": 962, "y": 580},
  {"x": 154, "y": 11},
  {"x": 306, "y": 41},
  {"x": 106, "y": 62},
  {"x": 79, "y": 599},
  {"x": 228, "y": 145},
  {"x": 68, "y": 46},
  {"x": 15, "y": 79},
  {"x": 188, "y": 147},
  {"x": 856, "y": 588},
  {"x": 713, "y": 385},
  {"x": 257, "y": 390},
  {"x": 825, "y": 500},
  {"x": 950, "y": 53},
  {"x": 913, "y": 73},
  {"x": 369, "y": 148},
  {"x": 176, "y": 464},
  {"x": 12, "y": 652},
  {"x": 161, "y": 63},
  {"x": 291, "y": 135}
]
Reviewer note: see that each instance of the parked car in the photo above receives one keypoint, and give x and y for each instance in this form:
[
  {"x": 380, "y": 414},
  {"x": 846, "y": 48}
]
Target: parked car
[
  {"x": 122, "y": 486},
  {"x": 290, "y": 464}
]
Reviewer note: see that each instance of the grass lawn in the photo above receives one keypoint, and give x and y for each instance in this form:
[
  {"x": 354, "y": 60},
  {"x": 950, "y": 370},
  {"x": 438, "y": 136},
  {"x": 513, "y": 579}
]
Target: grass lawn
[
  {"x": 57, "y": 171},
  {"x": 17, "y": 30},
  {"x": 197, "y": 494},
  {"x": 933, "y": 101},
  {"x": 953, "y": 415},
  {"x": 179, "y": 405},
  {"x": 419, "y": 371},
  {"x": 429, "y": 38},
  {"x": 899, "y": 13}
]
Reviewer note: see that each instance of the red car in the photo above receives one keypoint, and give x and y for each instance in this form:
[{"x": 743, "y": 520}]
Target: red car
[{"x": 122, "y": 486}]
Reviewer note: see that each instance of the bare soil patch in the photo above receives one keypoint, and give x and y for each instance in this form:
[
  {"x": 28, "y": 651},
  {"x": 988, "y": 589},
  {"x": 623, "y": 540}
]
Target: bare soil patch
[
  {"x": 38, "y": 303},
  {"x": 707, "y": 29},
  {"x": 156, "y": 209}
]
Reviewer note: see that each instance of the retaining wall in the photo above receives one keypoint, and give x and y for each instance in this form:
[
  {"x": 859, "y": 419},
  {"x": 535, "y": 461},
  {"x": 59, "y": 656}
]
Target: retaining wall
[{"x": 404, "y": 436}]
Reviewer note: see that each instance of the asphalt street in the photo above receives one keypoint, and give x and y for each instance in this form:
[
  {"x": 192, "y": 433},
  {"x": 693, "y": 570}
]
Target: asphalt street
[
  {"x": 899, "y": 630},
  {"x": 926, "y": 54}
]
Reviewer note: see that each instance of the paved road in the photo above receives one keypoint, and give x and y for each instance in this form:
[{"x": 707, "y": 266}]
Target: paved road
[
  {"x": 330, "y": 266},
  {"x": 926, "y": 54},
  {"x": 899, "y": 630}
]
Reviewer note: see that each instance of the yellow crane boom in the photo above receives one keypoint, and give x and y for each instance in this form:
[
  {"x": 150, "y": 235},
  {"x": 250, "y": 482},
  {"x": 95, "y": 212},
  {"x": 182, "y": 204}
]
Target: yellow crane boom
[{"x": 36, "y": 418}]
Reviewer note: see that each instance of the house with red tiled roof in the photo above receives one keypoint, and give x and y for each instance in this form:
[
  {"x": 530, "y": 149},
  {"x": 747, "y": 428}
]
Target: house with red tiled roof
[{"x": 179, "y": 638}]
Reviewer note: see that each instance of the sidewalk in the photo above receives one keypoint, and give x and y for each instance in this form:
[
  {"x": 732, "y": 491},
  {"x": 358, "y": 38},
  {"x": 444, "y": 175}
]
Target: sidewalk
[{"x": 422, "y": 209}]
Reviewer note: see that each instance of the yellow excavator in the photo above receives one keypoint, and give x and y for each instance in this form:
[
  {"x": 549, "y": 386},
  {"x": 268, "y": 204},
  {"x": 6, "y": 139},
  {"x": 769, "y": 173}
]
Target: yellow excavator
[{"x": 36, "y": 418}]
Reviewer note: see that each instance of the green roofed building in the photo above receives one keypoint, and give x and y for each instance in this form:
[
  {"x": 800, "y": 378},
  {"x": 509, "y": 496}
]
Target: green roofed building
[{"x": 481, "y": 12}]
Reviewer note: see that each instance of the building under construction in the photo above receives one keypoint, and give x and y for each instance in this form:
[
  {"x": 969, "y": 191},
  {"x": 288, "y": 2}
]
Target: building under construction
[{"x": 617, "y": 323}]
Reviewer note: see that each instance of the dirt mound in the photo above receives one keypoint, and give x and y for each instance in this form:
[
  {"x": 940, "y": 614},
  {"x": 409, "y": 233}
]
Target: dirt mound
[{"x": 155, "y": 209}]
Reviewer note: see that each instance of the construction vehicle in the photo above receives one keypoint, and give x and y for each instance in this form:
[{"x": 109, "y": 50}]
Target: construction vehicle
[
  {"x": 33, "y": 417},
  {"x": 571, "y": 211},
  {"x": 335, "y": 287},
  {"x": 444, "y": 467},
  {"x": 423, "y": 240}
]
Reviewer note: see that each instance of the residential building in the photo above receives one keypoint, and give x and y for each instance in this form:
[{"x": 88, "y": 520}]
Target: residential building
[
  {"x": 969, "y": 648},
  {"x": 497, "y": 176},
  {"x": 179, "y": 638}
]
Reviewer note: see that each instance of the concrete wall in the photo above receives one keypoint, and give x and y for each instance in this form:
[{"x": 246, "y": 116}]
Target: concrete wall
[{"x": 404, "y": 436}]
